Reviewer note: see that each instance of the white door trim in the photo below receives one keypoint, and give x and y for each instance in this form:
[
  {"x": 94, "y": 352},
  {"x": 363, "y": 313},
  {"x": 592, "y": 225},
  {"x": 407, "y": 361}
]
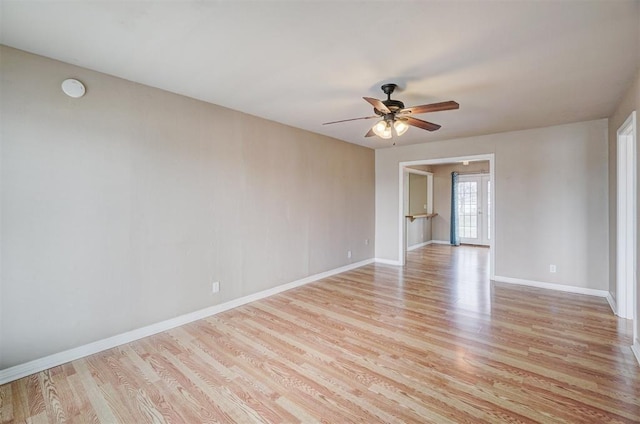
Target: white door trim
[
  {"x": 626, "y": 221},
  {"x": 401, "y": 194}
]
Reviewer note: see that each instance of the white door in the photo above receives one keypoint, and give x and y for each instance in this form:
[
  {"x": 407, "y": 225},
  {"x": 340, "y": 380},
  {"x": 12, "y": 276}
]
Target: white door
[{"x": 474, "y": 209}]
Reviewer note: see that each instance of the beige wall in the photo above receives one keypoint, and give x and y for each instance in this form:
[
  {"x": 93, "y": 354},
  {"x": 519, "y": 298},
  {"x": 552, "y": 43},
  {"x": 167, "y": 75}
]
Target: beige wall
[
  {"x": 551, "y": 197},
  {"x": 442, "y": 194},
  {"x": 119, "y": 209},
  {"x": 417, "y": 194},
  {"x": 425, "y": 168},
  {"x": 418, "y": 231},
  {"x": 629, "y": 103}
]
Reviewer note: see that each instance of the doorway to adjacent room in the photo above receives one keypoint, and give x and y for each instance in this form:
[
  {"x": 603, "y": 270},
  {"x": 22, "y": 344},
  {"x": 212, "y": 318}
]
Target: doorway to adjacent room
[{"x": 486, "y": 188}]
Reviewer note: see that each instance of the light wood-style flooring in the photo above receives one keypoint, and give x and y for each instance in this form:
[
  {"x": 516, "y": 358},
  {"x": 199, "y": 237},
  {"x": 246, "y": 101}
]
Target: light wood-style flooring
[{"x": 434, "y": 341}]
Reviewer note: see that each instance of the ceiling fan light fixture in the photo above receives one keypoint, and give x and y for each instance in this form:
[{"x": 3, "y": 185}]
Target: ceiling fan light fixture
[
  {"x": 382, "y": 129},
  {"x": 379, "y": 127},
  {"x": 400, "y": 126}
]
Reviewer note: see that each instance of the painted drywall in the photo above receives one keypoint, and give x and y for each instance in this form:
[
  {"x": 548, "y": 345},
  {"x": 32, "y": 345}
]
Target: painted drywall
[
  {"x": 418, "y": 231},
  {"x": 629, "y": 103},
  {"x": 442, "y": 194},
  {"x": 417, "y": 194},
  {"x": 551, "y": 197},
  {"x": 425, "y": 168},
  {"x": 119, "y": 209}
]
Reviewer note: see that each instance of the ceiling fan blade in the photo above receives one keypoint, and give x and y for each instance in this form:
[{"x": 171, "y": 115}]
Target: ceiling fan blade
[
  {"x": 370, "y": 133},
  {"x": 429, "y": 126},
  {"x": 433, "y": 107},
  {"x": 353, "y": 119},
  {"x": 377, "y": 104}
]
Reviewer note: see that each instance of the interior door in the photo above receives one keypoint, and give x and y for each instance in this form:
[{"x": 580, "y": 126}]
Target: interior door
[{"x": 474, "y": 209}]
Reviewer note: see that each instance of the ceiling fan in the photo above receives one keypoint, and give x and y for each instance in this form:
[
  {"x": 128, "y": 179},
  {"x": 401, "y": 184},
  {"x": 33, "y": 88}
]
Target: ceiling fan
[{"x": 395, "y": 115}]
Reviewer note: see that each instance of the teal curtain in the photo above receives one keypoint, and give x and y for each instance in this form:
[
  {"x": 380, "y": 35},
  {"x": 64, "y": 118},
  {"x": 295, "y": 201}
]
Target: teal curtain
[{"x": 455, "y": 239}]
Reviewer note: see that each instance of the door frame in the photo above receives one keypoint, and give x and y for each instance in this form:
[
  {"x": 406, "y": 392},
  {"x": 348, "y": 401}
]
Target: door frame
[
  {"x": 626, "y": 225},
  {"x": 403, "y": 194}
]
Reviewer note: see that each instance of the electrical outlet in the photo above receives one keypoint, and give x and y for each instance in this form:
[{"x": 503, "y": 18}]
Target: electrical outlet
[
  {"x": 552, "y": 268},
  {"x": 366, "y": 242},
  {"x": 349, "y": 254},
  {"x": 424, "y": 206},
  {"x": 215, "y": 287}
]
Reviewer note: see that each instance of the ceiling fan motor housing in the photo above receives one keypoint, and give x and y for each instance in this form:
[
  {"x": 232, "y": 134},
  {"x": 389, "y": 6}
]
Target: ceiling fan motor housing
[{"x": 392, "y": 105}]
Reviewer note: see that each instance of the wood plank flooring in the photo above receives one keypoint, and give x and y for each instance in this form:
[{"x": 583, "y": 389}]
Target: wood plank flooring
[{"x": 434, "y": 341}]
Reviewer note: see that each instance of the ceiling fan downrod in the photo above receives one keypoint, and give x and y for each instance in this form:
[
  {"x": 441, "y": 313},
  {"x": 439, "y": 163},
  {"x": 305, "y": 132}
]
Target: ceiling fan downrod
[
  {"x": 392, "y": 105},
  {"x": 388, "y": 89}
]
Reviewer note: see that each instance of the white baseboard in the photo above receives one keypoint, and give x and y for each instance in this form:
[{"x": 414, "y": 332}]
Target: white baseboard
[
  {"x": 22, "y": 370},
  {"x": 419, "y": 245},
  {"x": 440, "y": 242},
  {"x": 388, "y": 262},
  {"x": 612, "y": 304},
  {"x": 426, "y": 243},
  {"x": 635, "y": 348},
  {"x": 552, "y": 286}
]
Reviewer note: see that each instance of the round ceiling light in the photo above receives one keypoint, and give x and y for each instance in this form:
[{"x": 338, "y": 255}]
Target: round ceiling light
[{"x": 73, "y": 88}]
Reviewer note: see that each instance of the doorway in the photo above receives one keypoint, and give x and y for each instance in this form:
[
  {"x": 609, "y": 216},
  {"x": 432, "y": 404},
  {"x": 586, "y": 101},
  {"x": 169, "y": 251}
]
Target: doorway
[
  {"x": 474, "y": 209},
  {"x": 402, "y": 190},
  {"x": 626, "y": 221}
]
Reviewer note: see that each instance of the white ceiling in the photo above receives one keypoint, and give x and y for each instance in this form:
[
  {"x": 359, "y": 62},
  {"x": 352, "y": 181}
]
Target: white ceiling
[{"x": 510, "y": 65}]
